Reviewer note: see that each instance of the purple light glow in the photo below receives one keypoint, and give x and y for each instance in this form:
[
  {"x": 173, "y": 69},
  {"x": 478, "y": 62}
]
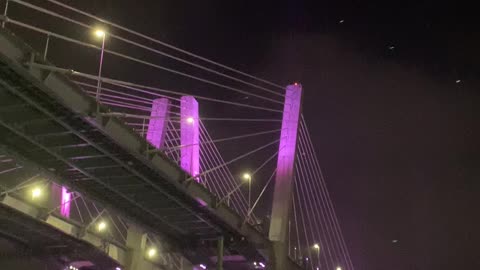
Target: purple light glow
[
  {"x": 203, "y": 266},
  {"x": 189, "y": 133},
  {"x": 66, "y": 198},
  {"x": 157, "y": 124},
  {"x": 285, "y": 163},
  {"x": 262, "y": 265}
]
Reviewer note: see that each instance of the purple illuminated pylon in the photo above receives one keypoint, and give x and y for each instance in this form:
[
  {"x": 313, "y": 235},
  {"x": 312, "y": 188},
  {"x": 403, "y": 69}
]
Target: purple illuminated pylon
[
  {"x": 189, "y": 133},
  {"x": 282, "y": 197},
  {"x": 157, "y": 125},
  {"x": 65, "y": 202}
]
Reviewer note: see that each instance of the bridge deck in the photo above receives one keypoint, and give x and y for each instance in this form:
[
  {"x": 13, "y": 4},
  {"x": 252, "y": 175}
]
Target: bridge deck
[
  {"x": 47, "y": 119},
  {"x": 39, "y": 239}
]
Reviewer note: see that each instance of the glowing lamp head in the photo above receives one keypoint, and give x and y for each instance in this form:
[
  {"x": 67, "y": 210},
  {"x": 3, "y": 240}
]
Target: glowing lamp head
[
  {"x": 36, "y": 193},
  {"x": 339, "y": 268},
  {"x": 151, "y": 252},
  {"x": 247, "y": 177},
  {"x": 102, "y": 226},
  {"x": 316, "y": 246},
  {"x": 99, "y": 33},
  {"x": 190, "y": 120}
]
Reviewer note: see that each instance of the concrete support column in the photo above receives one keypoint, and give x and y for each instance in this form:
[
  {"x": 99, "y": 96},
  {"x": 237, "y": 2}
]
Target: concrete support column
[
  {"x": 220, "y": 253},
  {"x": 137, "y": 245},
  {"x": 282, "y": 197},
  {"x": 157, "y": 125},
  {"x": 189, "y": 133}
]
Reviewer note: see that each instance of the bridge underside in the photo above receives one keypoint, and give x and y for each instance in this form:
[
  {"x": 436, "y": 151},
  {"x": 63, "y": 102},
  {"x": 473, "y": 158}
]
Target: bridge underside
[
  {"x": 27, "y": 243},
  {"x": 48, "y": 120}
]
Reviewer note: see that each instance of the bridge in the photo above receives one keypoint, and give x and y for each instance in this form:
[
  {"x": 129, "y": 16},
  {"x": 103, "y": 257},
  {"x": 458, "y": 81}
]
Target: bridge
[{"x": 101, "y": 169}]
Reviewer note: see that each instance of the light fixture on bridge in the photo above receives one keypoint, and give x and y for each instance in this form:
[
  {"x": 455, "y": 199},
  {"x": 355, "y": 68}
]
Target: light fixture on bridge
[
  {"x": 247, "y": 177},
  {"x": 339, "y": 268},
  {"x": 316, "y": 246},
  {"x": 36, "y": 193},
  {"x": 118, "y": 268},
  {"x": 203, "y": 266},
  {"x": 152, "y": 252},
  {"x": 262, "y": 265},
  {"x": 101, "y": 226},
  {"x": 190, "y": 120},
  {"x": 100, "y": 33}
]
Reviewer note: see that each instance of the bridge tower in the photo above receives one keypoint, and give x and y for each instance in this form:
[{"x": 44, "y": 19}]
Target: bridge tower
[
  {"x": 189, "y": 136},
  {"x": 157, "y": 125},
  {"x": 282, "y": 198}
]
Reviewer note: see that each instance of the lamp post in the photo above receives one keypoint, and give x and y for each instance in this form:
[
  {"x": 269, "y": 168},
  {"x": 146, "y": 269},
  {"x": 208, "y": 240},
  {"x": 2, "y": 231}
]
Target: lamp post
[
  {"x": 248, "y": 177},
  {"x": 317, "y": 248},
  {"x": 100, "y": 34}
]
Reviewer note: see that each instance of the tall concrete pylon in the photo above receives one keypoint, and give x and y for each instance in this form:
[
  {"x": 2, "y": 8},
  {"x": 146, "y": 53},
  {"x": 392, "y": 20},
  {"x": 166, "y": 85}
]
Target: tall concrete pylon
[{"x": 282, "y": 197}]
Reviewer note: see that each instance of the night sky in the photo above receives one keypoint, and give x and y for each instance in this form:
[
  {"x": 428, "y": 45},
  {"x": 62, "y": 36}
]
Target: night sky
[{"x": 391, "y": 99}]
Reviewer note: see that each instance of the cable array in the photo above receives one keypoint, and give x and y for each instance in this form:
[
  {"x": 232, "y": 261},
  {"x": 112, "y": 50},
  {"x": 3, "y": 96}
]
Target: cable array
[{"x": 316, "y": 239}]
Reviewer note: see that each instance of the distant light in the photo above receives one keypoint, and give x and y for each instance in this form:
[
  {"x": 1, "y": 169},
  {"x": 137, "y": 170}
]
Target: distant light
[
  {"x": 318, "y": 268},
  {"x": 36, "y": 192},
  {"x": 262, "y": 264},
  {"x": 190, "y": 120},
  {"x": 295, "y": 84},
  {"x": 152, "y": 252},
  {"x": 203, "y": 266},
  {"x": 101, "y": 226},
  {"x": 391, "y": 47},
  {"x": 118, "y": 268},
  {"x": 458, "y": 81},
  {"x": 255, "y": 263},
  {"x": 341, "y": 21},
  {"x": 247, "y": 176},
  {"x": 99, "y": 33},
  {"x": 394, "y": 241},
  {"x": 339, "y": 268},
  {"x": 306, "y": 258},
  {"x": 316, "y": 246}
]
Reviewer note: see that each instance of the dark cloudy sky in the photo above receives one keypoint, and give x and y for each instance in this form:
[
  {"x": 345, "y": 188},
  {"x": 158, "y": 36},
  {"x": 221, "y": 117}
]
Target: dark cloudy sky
[
  {"x": 396, "y": 134},
  {"x": 391, "y": 97}
]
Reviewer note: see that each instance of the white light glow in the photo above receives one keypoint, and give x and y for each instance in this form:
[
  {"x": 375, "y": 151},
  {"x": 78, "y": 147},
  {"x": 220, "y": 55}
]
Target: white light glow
[
  {"x": 152, "y": 252},
  {"x": 36, "y": 192},
  {"x": 99, "y": 33},
  {"x": 101, "y": 226}
]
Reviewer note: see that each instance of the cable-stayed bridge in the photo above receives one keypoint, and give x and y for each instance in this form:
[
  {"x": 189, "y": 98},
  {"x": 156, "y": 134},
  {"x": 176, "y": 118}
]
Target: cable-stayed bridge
[{"x": 120, "y": 151}]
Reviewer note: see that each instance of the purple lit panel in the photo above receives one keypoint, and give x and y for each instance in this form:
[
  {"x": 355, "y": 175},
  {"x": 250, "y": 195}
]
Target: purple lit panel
[
  {"x": 157, "y": 125},
  {"x": 282, "y": 197},
  {"x": 66, "y": 199},
  {"x": 189, "y": 133}
]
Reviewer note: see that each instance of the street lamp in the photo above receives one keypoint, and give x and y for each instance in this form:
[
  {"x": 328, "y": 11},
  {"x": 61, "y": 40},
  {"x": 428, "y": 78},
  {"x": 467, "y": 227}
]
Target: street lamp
[
  {"x": 339, "y": 268},
  {"x": 151, "y": 252},
  {"x": 101, "y": 226},
  {"x": 100, "y": 33},
  {"x": 248, "y": 177},
  {"x": 317, "y": 248},
  {"x": 36, "y": 193},
  {"x": 190, "y": 120}
]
